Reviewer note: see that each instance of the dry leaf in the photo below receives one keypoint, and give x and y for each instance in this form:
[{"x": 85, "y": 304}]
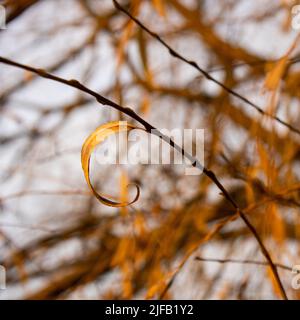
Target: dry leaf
[
  {"x": 273, "y": 282},
  {"x": 159, "y": 7},
  {"x": 127, "y": 34},
  {"x": 144, "y": 56},
  {"x": 98, "y": 136},
  {"x": 123, "y": 42},
  {"x": 145, "y": 105},
  {"x": 275, "y": 75},
  {"x": 277, "y": 224}
]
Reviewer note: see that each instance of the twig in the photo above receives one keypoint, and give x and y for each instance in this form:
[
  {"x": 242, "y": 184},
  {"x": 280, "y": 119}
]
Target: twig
[
  {"x": 152, "y": 130},
  {"x": 195, "y": 65},
  {"x": 261, "y": 263}
]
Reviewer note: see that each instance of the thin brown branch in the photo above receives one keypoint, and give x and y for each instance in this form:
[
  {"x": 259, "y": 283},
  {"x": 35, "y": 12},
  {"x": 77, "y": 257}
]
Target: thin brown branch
[{"x": 260, "y": 263}]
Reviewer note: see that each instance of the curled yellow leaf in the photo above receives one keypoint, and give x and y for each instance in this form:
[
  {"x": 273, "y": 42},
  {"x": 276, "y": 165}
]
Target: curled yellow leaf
[{"x": 94, "y": 139}]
